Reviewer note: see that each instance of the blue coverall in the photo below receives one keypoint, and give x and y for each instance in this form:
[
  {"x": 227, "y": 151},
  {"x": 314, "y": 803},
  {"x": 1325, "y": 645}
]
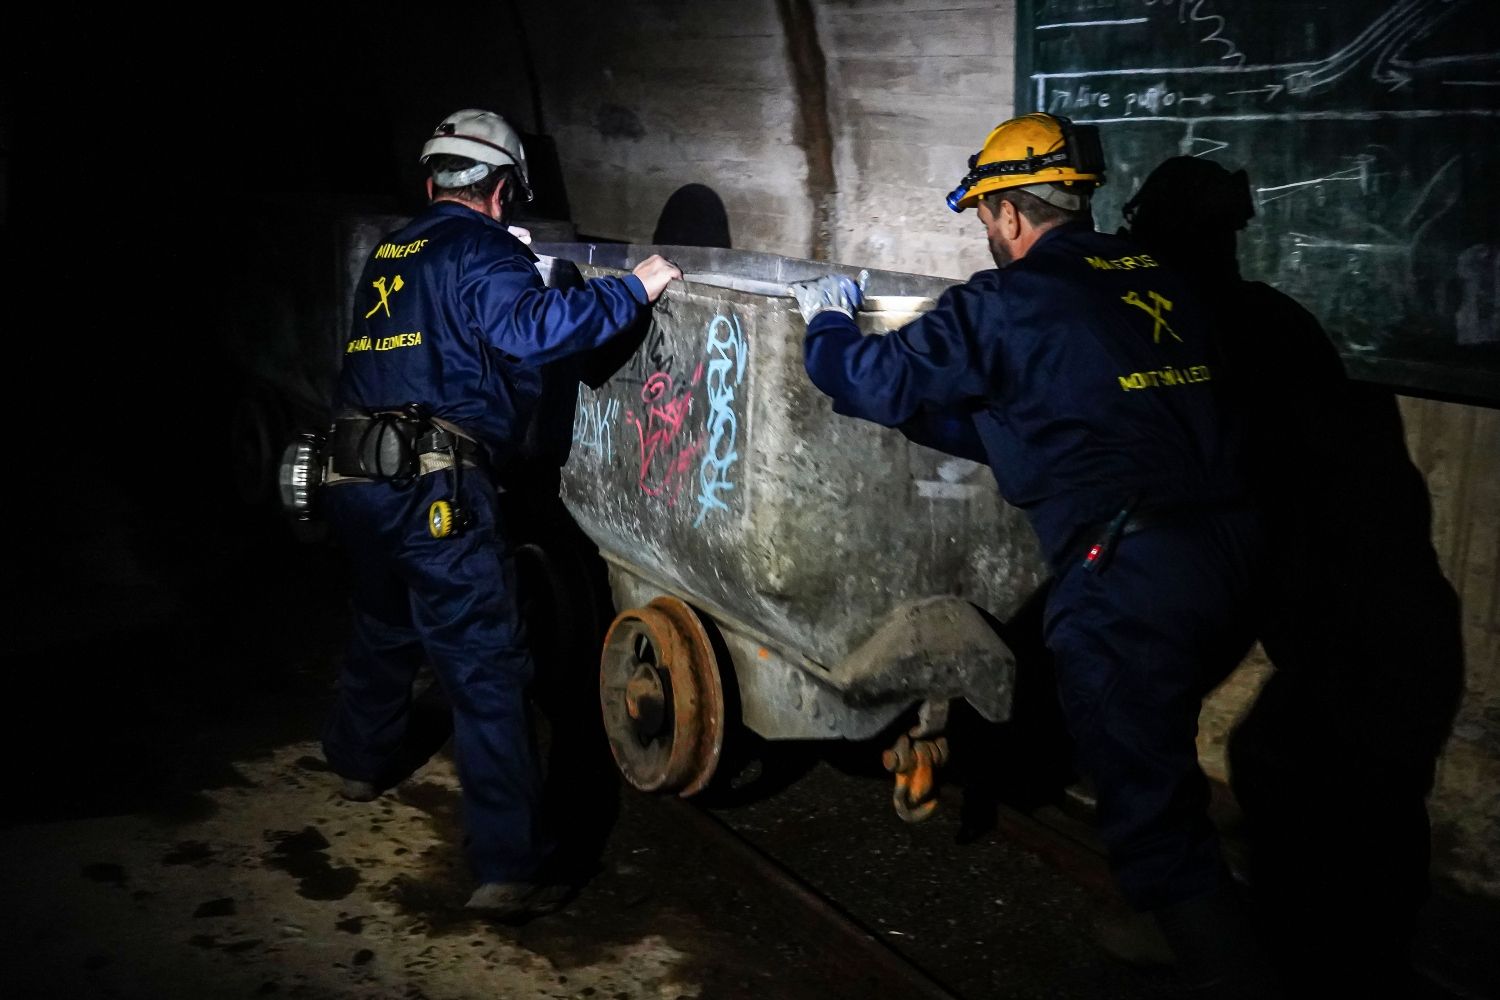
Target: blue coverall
[
  {"x": 1084, "y": 375},
  {"x": 450, "y": 313}
]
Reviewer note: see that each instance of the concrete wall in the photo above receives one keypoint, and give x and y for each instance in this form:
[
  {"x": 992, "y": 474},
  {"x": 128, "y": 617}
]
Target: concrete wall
[
  {"x": 659, "y": 94},
  {"x": 655, "y": 95},
  {"x": 833, "y": 129},
  {"x": 1458, "y": 449},
  {"x": 915, "y": 88}
]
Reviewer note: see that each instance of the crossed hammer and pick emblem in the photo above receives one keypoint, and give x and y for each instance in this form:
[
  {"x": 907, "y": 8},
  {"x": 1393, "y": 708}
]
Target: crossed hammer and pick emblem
[
  {"x": 385, "y": 295},
  {"x": 1163, "y": 305}
]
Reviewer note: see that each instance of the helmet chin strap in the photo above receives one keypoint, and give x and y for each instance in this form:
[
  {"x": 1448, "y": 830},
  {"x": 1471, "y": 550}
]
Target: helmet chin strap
[
  {"x": 1056, "y": 196},
  {"x": 453, "y": 179}
]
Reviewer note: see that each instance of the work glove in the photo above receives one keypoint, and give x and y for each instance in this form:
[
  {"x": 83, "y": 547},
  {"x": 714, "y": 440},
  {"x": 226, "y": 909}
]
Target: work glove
[{"x": 832, "y": 291}]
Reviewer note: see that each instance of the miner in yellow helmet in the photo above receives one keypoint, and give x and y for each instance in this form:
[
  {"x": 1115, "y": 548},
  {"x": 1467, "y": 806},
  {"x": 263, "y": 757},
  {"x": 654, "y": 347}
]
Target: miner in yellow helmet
[{"x": 1082, "y": 371}]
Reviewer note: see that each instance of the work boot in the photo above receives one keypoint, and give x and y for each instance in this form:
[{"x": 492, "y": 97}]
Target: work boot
[
  {"x": 1218, "y": 955},
  {"x": 358, "y": 791},
  {"x": 517, "y": 901},
  {"x": 1133, "y": 938}
]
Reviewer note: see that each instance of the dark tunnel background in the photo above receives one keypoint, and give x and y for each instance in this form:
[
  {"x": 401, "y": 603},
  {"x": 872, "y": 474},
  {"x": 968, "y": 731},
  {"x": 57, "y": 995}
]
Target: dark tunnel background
[
  {"x": 148, "y": 166},
  {"x": 138, "y": 152}
]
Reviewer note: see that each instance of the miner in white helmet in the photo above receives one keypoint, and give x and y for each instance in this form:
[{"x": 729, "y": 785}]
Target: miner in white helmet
[{"x": 440, "y": 377}]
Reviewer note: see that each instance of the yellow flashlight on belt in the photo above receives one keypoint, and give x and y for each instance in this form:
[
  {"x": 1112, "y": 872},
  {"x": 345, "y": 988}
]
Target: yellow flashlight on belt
[{"x": 440, "y": 519}]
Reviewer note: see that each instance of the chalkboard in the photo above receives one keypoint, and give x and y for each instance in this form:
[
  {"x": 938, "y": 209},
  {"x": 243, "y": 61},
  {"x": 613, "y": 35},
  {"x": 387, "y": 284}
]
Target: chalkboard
[{"x": 1370, "y": 130}]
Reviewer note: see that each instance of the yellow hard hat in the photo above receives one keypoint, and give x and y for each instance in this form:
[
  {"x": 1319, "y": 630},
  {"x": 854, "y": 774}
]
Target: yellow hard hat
[{"x": 1034, "y": 149}]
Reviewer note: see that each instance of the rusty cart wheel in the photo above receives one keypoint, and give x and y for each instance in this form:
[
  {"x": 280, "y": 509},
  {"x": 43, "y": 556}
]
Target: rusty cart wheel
[{"x": 662, "y": 697}]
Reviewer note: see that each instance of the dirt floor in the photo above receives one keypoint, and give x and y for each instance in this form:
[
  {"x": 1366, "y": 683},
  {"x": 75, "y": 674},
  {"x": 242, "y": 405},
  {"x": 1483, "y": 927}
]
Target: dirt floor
[
  {"x": 278, "y": 887},
  {"x": 170, "y": 829}
]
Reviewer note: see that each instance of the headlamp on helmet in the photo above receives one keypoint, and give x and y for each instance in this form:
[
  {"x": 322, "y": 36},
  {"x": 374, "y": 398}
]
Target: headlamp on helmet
[
  {"x": 1034, "y": 152},
  {"x": 483, "y": 137}
]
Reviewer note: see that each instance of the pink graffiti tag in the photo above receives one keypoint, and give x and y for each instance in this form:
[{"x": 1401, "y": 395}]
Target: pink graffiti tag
[{"x": 666, "y": 453}]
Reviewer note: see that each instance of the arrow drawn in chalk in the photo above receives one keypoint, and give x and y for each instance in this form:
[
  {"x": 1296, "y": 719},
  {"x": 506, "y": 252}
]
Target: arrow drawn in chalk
[
  {"x": 1403, "y": 24},
  {"x": 1271, "y": 90},
  {"x": 1359, "y": 174},
  {"x": 1185, "y": 146}
]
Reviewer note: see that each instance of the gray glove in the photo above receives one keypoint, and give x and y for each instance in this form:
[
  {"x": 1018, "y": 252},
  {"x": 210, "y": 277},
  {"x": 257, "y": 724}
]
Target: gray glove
[{"x": 832, "y": 291}]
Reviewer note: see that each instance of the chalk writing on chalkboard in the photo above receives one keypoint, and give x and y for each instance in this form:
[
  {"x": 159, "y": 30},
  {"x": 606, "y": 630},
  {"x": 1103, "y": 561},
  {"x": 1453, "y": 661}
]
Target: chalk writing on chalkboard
[{"x": 1371, "y": 133}]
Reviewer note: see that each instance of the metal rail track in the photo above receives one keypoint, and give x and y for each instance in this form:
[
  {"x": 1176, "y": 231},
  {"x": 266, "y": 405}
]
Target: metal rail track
[{"x": 866, "y": 963}]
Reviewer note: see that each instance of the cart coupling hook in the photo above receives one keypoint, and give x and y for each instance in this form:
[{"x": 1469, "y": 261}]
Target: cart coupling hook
[{"x": 914, "y": 762}]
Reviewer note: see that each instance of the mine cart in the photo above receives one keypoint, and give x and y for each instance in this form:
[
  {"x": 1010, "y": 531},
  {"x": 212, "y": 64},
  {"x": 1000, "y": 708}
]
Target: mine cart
[{"x": 818, "y": 575}]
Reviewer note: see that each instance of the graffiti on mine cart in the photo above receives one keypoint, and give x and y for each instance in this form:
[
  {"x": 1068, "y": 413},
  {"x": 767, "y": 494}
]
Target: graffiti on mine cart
[
  {"x": 593, "y": 424},
  {"x": 726, "y": 367},
  {"x": 666, "y": 453},
  {"x": 655, "y": 355}
]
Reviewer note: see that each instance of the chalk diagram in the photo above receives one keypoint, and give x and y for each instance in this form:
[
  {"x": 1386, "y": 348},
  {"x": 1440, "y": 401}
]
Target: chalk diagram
[{"x": 1394, "y": 243}]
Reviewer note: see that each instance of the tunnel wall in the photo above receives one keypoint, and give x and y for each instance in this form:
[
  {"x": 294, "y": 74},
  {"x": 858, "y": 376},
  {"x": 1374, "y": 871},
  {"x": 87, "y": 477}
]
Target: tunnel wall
[
  {"x": 1458, "y": 450},
  {"x": 833, "y": 130},
  {"x": 660, "y": 94}
]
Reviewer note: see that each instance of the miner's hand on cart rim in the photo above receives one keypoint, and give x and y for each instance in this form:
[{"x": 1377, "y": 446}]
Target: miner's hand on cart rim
[
  {"x": 830, "y": 292},
  {"x": 654, "y": 273}
]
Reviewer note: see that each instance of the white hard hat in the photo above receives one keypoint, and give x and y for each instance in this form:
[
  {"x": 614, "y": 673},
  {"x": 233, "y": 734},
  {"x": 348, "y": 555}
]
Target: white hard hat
[{"x": 482, "y": 136}]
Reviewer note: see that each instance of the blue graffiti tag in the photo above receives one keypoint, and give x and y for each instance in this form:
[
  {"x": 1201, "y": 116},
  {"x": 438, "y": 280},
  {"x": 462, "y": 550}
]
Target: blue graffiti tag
[
  {"x": 593, "y": 425},
  {"x": 726, "y": 353}
]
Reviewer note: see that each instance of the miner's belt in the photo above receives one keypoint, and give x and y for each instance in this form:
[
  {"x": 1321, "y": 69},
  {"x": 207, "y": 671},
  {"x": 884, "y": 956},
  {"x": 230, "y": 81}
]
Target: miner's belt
[
  {"x": 1154, "y": 517},
  {"x": 1143, "y": 520},
  {"x": 369, "y": 449},
  {"x": 426, "y": 465}
]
